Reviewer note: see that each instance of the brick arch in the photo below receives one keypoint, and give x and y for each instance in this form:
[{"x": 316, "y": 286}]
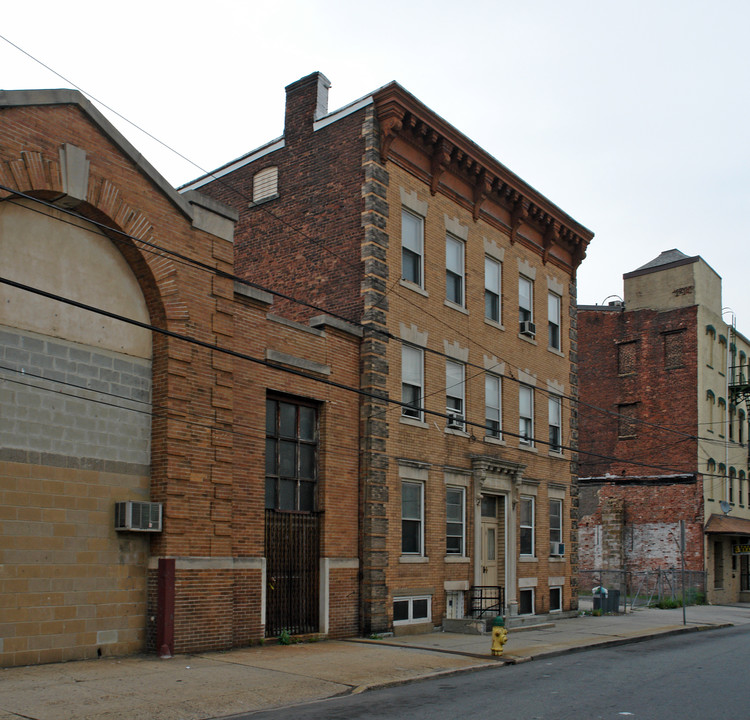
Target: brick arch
[{"x": 40, "y": 177}]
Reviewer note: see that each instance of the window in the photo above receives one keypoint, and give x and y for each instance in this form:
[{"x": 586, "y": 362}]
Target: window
[
  {"x": 553, "y": 319},
  {"x": 555, "y": 423},
  {"x": 555, "y": 599},
  {"x": 492, "y": 289},
  {"x": 454, "y": 394},
  {"x": 526, "y": 601},
  {"x": 525, "y": 299},
  {"x": 718, "y": 564},
  {"x": 412, "y": 245},
  {"x": 626, "y": 358},
  {"x": 412, "y": 609},
  {"x": 266, "y": 185},
  {"x": 526, "y": 415},
  {"x": 454, "y": 270},
  {"x": 412, "y": 370},
  {"x": 493, "y": 406},
  {"x": 627, "y": 416},
  {"x": 412, "y": 518},
  {"x": 730, "y": 422},
  {"x": 555, "y": 525},
  {"x": 291, "y": 455},
  {"x": 732, "y": 478},
  {"x": 674, "y": 350},
  {"x": 722, "y": 415},
  {"x": 711, "y": 401},
  {"x": 454, "y": 521},
  {"x": 741, "y": 488},
  {"x": 741, "y": 426},
  {"x": 527, "y": 526}
]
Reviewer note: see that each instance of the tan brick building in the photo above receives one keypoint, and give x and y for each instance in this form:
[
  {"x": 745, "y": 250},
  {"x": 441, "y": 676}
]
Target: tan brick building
[
  {"x": 463, "y": 279},
  {"x": 192, "y": 395}
]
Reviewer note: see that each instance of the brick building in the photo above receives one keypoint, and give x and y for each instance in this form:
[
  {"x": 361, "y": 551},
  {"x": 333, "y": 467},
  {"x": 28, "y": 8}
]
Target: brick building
[
  {"x": 663, "y": 390},
  {"x": 192, "y": 400},
  {"x": 463, "y": 279}
]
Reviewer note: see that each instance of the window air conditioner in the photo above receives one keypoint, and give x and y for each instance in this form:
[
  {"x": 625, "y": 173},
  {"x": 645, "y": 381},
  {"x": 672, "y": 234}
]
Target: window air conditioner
[
  {"x": 138, "y": 516},
  {"x": 455, "y": 421},
  {"x": 557, "y": 548},
  {"x": 528, "y": 328}
]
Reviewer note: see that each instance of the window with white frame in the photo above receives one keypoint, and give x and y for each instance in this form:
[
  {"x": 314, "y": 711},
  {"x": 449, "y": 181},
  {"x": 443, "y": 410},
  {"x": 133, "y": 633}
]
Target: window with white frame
[
  {"x": 414, "y": 609},
  {"x": 412, "y": 381},
  {"x": 266, "y": 184},
  {"x": 493, "y": 406},
  {"x": 525, "y": 300},
  {"x": 455, "y": 389},
  {"x": 526, "y": 415},
  {"x": 555, "y": 599},
  {"x": 555, "y": 526},
  {"x": 454, "y": 270},
  {"x": 455, "y": 523},
  {"x": 412, "y": 518},
  {"x": 555, "y": 423},
  {"x": 526, "y": 601},
  {"x": 553, "y": 319},
  {"x": 492, "y": 289},
  {"x": 527, "y": 526},
  {"x": 412, "y": 248}
]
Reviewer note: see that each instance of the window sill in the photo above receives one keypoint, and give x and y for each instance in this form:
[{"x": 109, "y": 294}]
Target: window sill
[
  {"x": 413, "y": 422},
  {"x": 556, "y": 351},
  {"x": 413, "y": 559},
  {"x": 528, "y": 559},
  {"x": 262, "y": 201},
  {"x": 527, "y": 339},
  {"x": 555, "y": 454},
  {"x": 460, "y": 308},
  {"x": 557, "y": 558},
  {"x": 460, "y": 433},
  {"x": 494, "y": 441},
  {"x": 456, "y": 559},
  {"x": 527, "y": 448},
  {"x": 494, "y": 324},
  {"x": 413, "y": 286}
]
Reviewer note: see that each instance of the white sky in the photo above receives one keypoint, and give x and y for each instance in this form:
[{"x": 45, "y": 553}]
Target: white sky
[{"x": 633, "y": 117}]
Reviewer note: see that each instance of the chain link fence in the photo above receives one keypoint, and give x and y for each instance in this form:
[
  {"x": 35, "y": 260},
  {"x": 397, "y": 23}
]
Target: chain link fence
[{"x": 644, "y": 588}]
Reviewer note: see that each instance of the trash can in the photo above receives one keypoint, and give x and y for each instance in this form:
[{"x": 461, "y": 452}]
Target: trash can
[{"x": 608, "y": 601}]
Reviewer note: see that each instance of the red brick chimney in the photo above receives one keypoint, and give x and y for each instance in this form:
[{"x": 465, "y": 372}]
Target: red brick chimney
[{"x": 306, "y": 102}]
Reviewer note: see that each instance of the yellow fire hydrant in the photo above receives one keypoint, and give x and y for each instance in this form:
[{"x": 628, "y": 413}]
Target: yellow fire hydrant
[{"x": 499, "y": 635}]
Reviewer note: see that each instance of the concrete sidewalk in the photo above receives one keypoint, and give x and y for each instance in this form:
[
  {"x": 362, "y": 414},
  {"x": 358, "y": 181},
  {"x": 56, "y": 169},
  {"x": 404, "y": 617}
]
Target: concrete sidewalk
[{"x": 214, "y": 685}]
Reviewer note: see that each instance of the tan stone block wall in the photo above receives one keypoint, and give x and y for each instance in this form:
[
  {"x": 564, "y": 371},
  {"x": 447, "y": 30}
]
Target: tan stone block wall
[{"x": 72, "y": 587}]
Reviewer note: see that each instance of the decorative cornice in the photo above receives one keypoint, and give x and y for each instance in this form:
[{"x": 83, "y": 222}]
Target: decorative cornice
[{"x": 401, "y": 115}]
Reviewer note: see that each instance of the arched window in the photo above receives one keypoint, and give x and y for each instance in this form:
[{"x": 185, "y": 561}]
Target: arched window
[
  {"x": 722, "y": 403},
  {"x": 732, "y": 478},
  {"x": 741, "y": 488},
  {"x": 710, "y": 401},
  {"x": 711, "y": 332}
]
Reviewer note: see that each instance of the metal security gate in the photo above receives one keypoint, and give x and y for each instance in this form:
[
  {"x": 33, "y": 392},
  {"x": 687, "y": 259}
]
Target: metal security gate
[{"x": 292, "y": 572}]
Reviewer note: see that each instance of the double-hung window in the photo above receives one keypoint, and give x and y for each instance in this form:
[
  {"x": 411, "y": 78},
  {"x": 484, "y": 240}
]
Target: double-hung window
[
  {"x": 454, "y": 270},
  {"x": 526, "y": 414},
  {"x": 454, "y": 521},
  {"x": 412, "y": 246},
  {"x": 455, "y": 388},
  {"x": 555, "y": 423},
  {"x": 412, "y": 518},
  {"x": 527, "y": 526},
  {"x": 553, "y": 320},
  {"x": 493, "y": 406},
  {"x": 412, "y": 385},
  {"x": 291, "y": 455},
  {"x": 525, "y": 300},
  {"x": 492, "y": 289},
  {"x": 555, "y": 526}
]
